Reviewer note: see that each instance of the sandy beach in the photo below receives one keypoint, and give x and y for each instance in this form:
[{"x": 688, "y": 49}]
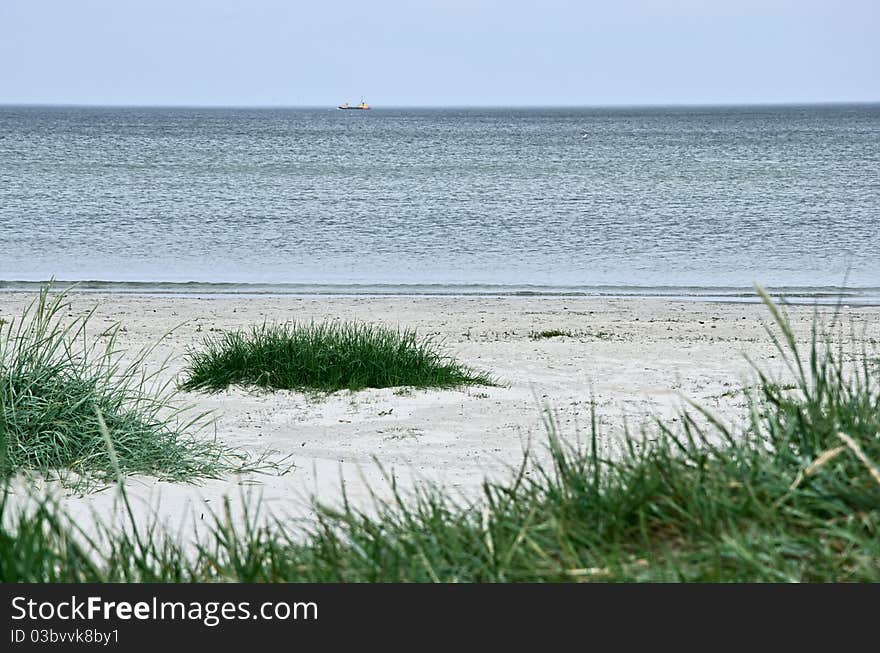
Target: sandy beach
[{"x": 637, "y": 358}]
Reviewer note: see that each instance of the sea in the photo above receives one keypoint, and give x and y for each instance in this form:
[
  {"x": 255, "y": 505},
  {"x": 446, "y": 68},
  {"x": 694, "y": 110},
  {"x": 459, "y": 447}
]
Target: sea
[{"x": 657, "y": 201}]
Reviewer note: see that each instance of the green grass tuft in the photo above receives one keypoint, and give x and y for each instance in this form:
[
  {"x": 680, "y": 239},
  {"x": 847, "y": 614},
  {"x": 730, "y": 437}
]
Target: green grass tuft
[
  {"x": 54, "y": 376},
  {"x": 550, "y": 333},
  {"x": 325, "y": 357},
  {"x": 556, "y": 333}
]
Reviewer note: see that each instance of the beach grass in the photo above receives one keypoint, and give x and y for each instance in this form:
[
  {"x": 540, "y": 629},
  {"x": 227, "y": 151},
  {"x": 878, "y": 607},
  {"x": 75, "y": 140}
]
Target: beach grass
[
  {"x": 547, "y": 334},
  {"x": 325, "y": 357},
  {"x": 791, "y": 495},
  {"x": 551, "y": 333},
  {"x": 55, "y": 374}
]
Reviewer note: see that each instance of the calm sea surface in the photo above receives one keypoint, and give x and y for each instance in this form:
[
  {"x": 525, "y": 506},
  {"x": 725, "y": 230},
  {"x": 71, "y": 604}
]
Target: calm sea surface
[{"x": 618, "y": 201}]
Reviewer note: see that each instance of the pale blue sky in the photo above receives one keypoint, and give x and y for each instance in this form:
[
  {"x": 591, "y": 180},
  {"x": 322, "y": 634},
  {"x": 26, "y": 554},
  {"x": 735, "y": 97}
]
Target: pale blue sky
[{"x": 438, "y": 52}]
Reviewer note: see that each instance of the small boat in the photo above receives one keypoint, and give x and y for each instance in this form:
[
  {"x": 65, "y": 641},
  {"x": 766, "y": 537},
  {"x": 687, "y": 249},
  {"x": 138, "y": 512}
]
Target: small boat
[{"x": 363, "y": 106}]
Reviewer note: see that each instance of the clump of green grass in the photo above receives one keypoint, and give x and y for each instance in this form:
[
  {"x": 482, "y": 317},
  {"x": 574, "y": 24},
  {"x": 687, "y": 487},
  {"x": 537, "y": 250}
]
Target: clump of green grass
[
  {"x": 325, "y": 357},
  {"x": 555, "y": 333},
  {"x": 54, "y": 376},
  {"x": 792, "y": 495},
  {"x": 550, "y": 333}
]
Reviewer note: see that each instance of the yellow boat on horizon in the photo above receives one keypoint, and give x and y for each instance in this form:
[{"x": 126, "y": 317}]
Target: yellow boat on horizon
[{"x": 363, "y": 106}]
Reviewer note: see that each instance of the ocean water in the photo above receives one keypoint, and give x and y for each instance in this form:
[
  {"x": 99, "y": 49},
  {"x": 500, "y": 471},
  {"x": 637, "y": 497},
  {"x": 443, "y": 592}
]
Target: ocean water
[{"x": 662, "y": 201}]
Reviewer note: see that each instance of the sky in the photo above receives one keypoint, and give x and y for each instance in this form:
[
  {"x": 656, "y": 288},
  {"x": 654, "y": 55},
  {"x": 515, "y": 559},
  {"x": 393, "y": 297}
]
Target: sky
[{"x": 438, "y": 52}]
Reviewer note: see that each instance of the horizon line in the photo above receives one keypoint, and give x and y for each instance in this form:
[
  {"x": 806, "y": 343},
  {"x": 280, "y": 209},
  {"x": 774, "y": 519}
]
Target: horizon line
[{"x": 637, "y": 105}]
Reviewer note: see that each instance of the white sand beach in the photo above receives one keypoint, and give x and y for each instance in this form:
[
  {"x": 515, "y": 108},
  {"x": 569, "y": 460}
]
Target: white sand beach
[{"x": 636, "y": 357}]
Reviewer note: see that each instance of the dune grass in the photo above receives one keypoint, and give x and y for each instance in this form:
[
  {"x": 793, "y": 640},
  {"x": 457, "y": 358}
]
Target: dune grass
[
  {"x": 792, "y": 495},
  {"x": 54, "y": 375},
  {"x": 567, "y": 333},
  {"x": 325, "y": 357},
  {"x": 551, "y": 333}
]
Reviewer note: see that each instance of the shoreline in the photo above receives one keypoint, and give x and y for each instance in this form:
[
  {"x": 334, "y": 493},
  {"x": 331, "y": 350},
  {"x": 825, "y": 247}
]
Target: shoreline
[{"x": 793, "y": 295}]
